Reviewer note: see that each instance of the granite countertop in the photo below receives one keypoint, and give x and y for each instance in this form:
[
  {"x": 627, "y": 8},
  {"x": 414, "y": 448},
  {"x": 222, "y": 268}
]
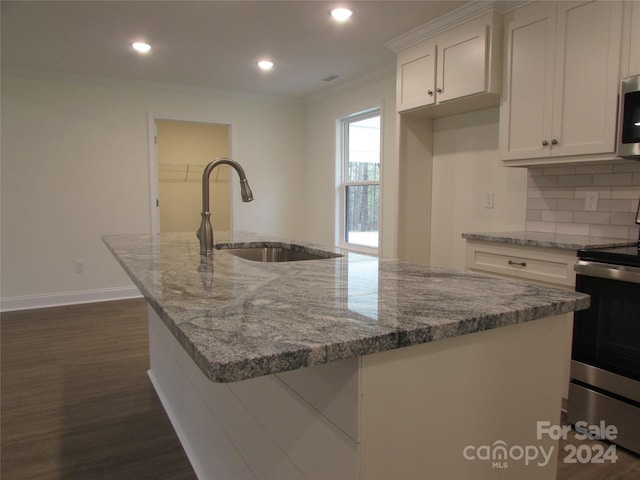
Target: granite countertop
[
  {"x": 549, "y": 240},
  {"x": 240, "y": 319}
]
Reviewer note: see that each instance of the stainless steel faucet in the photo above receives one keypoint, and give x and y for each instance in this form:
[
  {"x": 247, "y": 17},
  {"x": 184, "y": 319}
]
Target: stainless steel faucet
[{"x": 205, "y": 233}]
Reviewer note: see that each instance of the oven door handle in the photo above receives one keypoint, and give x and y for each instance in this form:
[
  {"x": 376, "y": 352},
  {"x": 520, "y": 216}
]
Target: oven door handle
[{"x": 608, "y": 271}]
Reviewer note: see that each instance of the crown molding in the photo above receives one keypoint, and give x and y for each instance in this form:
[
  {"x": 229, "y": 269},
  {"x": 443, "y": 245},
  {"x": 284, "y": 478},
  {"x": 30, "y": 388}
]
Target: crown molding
[{"x": 470, "y": 11}]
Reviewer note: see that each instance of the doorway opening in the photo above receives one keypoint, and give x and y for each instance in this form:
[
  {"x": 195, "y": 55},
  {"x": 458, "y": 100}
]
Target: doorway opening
[{"x": 182, "y": 150}]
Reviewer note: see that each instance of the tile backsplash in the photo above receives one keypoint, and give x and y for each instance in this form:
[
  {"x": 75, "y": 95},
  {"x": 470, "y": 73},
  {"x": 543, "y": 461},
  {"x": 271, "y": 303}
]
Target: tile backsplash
[{"x": 556, "y": 199}]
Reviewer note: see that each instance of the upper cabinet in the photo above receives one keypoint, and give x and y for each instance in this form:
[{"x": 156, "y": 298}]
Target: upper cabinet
[
  {"x": 631, "y": 40},
  {"x": 455, "y": 71},
  {"x": 561, "y": 82}
]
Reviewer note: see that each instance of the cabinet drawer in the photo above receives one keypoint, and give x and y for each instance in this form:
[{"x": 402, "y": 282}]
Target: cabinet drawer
[{"x": 540, "y": 265}]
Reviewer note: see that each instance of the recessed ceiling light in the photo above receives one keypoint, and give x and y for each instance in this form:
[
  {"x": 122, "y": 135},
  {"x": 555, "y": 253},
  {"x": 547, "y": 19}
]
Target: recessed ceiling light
[
  {"x": 141, "y": 47},
  {"x": 341, "y": 14},
  {"x": 265, "y": 64}
]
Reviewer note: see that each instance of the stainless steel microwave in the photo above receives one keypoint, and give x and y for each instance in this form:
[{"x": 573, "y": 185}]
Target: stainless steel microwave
[{"x": 629, "y": 119}]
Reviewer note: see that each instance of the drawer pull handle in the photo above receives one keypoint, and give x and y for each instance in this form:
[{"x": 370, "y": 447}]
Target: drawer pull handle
[{"x": 517, "y": 264}]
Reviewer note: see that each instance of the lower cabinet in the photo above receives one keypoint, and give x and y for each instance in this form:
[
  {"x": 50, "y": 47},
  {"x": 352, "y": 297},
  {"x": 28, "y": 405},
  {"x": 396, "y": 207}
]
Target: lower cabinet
[{"x": 551, "y": 266}]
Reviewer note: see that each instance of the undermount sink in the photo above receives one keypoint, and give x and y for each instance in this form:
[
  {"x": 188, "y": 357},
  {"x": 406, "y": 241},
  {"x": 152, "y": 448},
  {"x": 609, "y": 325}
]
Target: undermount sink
[{"x": 288, "y": 253}]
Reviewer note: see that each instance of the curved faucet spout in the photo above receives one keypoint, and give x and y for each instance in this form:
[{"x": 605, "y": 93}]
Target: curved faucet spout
[{"x": 205, "y": 233}]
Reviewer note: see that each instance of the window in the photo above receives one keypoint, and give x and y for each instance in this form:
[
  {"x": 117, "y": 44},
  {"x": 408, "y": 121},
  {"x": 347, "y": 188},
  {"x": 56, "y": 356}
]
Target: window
[{"x": 360, "y": 186}]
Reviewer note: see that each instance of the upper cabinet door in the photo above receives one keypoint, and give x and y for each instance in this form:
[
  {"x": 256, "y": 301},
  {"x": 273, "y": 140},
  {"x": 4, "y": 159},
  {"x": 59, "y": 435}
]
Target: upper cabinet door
[
  {"x": 462, "y": 63},
  {"x": 586, "y": 78},
  {"x": 526, "y": 112},
  {"x": 634, "y": 39},
  {"x": 562, "y": 79},
  {"x": 416, "y": 76},
  {"x": 630, "y": 65}
]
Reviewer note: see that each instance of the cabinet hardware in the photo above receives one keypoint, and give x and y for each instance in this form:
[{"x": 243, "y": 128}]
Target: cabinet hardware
[
  {"x": 517, "y": 264},
  {"x": 430, "y": 93},
  {"x": 554, "y": 142},
  {"x": 439, "y": 90},
  {"x": 545, "y": 143}
]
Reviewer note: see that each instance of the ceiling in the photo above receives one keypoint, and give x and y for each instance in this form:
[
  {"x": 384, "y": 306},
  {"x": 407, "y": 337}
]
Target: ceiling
[{"x": 212, "y": 44}]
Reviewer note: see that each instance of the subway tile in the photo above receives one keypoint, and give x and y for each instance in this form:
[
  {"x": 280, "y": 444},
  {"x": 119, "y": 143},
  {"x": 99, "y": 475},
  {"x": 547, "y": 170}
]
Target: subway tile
[
  {"x": 606, "y": 205},
  {"x": 564, "y": 170},
  {"x": 626, "y": 218},
  {"x": 613, "y": 179},
  {"x": 546, "y": 227},
  {"x": 534, "y": 193},
  {"x": 558, "y": 192},
  {"x": 574, "y": 204},
  {"x": 632, "y": 166},
  {"x": 575, "y": 180},
  {"x": 625, "y": 192},
  {"x": 603, "y": 192},
  {"x": 612, "y": 231},
  {"x": 543, "y": 181},
  {"x": 594, "y": 168},
  {"x": 556, "y": 216},
  {"x": 573, "y": 228},
  {"x": 593, "y": 218},
  {"x": 542, "y": 203}
]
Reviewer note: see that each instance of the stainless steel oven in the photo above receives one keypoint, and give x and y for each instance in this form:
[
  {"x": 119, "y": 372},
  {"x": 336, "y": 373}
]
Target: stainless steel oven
[{"x": 605, "y": 366}]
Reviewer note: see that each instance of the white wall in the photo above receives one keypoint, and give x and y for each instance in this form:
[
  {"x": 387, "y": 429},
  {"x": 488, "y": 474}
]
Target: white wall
[
  {"x": 466, "y": 165},
  {"x": 75, "y": 165},
  {"x": 322, "y": 114}
]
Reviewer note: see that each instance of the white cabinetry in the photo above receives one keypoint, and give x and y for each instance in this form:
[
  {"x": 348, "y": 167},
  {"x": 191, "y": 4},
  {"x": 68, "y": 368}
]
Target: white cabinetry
[
  {"x": 416, "y": 77},
  {"x": 374, "y": 417},
  {"x": 460, "y": 63},
  {"x": 561, "y": 81},
  {"x": 551, "y": 266},
  {"x": 631, "y": 40}
]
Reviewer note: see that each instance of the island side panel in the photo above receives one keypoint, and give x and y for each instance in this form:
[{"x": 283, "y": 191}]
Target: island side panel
[
  {"x": 333, "y": 389},
  {"x": 423, "y": 405},
  {"x": 259, "y": 428}
]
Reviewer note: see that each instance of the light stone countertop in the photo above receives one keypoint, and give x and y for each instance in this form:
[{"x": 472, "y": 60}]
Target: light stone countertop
[
  {"x": 240, "y": 319},
  {"x": 549, "y": 240}
]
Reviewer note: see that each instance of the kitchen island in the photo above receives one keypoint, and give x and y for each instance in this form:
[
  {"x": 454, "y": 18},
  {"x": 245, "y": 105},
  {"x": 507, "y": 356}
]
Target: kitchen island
[{"x": 349, "y": 367}]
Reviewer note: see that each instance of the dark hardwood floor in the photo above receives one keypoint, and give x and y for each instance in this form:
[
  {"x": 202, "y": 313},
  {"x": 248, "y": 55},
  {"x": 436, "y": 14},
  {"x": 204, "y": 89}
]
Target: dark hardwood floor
[
  {"x": 76, "y": 402},
  {"x": 76, "y": 399}
]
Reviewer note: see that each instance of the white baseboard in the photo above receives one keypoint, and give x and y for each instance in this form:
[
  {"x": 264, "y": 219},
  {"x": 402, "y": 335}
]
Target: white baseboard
[{"x": 28, "y": 302}]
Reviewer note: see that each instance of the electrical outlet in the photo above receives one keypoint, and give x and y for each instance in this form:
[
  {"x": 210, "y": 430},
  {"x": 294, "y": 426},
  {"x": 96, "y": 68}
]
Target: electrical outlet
[
  {"x": 591, "y": 201},
  {"x": 79, "y": 266},
  {"x": 488, "y": 200}
]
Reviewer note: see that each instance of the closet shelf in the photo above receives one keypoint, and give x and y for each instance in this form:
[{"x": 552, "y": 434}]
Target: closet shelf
[{"x": 189, "y": 173}]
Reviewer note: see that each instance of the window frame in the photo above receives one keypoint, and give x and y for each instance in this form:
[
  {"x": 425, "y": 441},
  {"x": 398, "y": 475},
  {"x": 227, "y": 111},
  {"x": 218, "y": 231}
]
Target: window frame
[{"x": 344, "y": 183}]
